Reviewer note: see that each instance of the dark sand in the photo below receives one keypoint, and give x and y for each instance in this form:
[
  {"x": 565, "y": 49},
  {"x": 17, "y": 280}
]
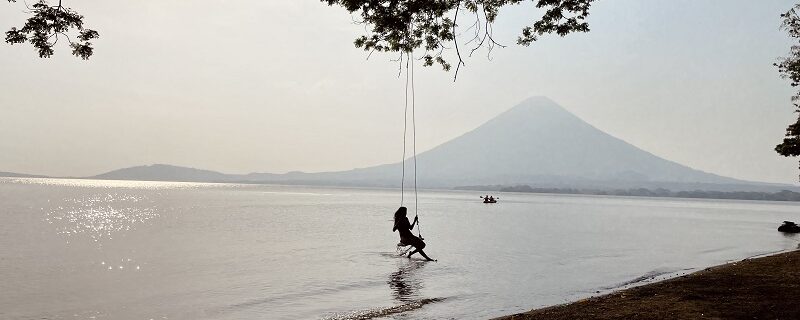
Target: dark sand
[{"x": 760, "y": 288}]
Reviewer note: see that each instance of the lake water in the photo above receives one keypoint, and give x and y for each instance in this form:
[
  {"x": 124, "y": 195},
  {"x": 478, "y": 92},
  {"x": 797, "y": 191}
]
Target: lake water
[{"x": 82, "y": 249}]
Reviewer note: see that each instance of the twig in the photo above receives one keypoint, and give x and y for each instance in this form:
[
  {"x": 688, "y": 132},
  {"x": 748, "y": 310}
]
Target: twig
[{"x": 455, "y": 40}]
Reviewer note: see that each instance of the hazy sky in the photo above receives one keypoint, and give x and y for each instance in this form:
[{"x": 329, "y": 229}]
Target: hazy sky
[{"x": 276, "y": 85}]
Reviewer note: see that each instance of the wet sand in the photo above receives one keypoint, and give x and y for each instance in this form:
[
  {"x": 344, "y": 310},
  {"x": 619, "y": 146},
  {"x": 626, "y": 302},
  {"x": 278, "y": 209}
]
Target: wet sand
[{"x": 758, "y": 288}]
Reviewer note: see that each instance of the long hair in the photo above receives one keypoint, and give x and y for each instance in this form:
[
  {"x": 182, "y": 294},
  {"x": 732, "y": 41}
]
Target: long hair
[{"x": 399, "y": 214}]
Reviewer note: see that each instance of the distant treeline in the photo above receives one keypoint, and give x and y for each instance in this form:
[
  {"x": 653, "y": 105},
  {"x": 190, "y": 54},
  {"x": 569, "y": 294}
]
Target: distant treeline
[{"x": 784, "y": 195}]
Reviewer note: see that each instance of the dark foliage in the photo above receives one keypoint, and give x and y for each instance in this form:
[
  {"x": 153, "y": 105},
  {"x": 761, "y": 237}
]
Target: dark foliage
[
  {"x": 47, "y": 24},
  {"x": 789, "y": 68},
  {"x": 404, "y": 25}
]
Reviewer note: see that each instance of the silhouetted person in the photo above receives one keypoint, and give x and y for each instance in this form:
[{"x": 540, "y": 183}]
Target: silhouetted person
[
  {"x": 491, "y": 198},
  {"x": 402, "y": 226}
]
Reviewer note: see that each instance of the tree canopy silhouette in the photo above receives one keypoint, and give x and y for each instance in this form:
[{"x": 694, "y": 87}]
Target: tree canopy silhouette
[
  {"x": 48, "y": 24},
  {"x": 789, "y": 68},
  {"x": 402, "y": 26}
]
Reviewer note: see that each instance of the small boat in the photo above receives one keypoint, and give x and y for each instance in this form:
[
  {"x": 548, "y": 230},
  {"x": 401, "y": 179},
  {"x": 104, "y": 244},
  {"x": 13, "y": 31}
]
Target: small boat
[
  {"x": 489, "y": 199},
  {"x": 789, "y": 227}
]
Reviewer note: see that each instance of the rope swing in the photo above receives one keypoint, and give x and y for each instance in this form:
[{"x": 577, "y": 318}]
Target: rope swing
[{"x": 410, "y": 85}]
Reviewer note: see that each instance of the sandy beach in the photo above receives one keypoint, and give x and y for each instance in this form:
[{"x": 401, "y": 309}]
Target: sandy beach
[{"x": 758, "y": 288}]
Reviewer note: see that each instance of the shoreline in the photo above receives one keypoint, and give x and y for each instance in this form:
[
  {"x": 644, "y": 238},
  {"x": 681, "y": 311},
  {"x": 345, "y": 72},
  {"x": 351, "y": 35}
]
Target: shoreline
[
  {"x": 761, "y": 287},
  {"x": 783, "y": 196}
]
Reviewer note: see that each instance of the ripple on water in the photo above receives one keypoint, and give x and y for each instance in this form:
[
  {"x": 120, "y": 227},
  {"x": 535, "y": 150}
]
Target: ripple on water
[{"x": 383, "y": 312}]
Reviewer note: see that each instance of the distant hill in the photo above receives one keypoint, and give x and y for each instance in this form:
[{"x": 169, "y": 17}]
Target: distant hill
[
  {"x": 163, "y": 172},
  {"x": 536, "y": 143},
  {"x": 19, "y": 175}
]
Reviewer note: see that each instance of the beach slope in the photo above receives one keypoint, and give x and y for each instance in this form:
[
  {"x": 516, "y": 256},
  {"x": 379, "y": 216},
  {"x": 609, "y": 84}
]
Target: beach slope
[{"x": 760, "y": 288}]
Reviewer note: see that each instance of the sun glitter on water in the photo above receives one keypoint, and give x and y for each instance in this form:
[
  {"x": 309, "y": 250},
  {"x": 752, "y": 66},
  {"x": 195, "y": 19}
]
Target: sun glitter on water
[{"x": 100, "y": 216}]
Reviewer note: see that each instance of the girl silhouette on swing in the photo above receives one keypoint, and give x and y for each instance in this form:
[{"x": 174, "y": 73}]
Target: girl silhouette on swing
[{"x": 408, "y": 238}]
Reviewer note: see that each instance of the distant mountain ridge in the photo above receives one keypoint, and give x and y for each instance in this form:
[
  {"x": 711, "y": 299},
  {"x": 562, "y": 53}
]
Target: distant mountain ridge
[
  {"x": 164, "y": 172},
  {"x": 19, "y": 175},
  {"x": 536, "y": 143}
]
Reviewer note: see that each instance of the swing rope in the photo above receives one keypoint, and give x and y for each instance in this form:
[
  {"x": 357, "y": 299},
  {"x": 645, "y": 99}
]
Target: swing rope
[
  {"x": 414, "y": 143},
  {"x": 405, "y": 133},
  {"x": 410, "y": 84}
]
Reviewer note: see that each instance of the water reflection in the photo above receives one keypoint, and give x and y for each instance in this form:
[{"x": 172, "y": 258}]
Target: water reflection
[{"x": 405, "y": 283}]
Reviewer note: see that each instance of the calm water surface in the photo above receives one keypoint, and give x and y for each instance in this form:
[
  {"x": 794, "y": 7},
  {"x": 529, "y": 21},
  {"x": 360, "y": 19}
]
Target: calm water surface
[{"x": 80, "y": 249}]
